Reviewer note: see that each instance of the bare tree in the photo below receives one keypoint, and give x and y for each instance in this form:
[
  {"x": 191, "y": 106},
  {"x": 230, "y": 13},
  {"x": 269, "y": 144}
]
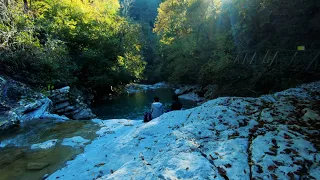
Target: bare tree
[
  {"x": 5, "y": 2},
  {"x": 126, "y": 5}
]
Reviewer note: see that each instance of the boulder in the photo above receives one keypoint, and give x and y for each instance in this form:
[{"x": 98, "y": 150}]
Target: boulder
[
  {"x": 61, "y": 106},
  {"x": 133, "y": 88},
  {"x": 84, "y": 114},
  {"x": 59, "y": 98},
  {"x": 9, "y": 120},
  {"x": 210, "y": 91},
  {"x": 191, "y": 97},
  {"x": 20, "y": 104},
  {"x": 31, "y": 107},
  {"x": 38, "y": 113},
  {"x": 188, "y": 88},
  {"x": 64, "y": 90}
]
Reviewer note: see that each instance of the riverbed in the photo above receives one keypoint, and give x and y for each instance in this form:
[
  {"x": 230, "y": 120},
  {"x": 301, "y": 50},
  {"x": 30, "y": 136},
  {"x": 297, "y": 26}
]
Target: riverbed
[{"x": 16, "y": 154}]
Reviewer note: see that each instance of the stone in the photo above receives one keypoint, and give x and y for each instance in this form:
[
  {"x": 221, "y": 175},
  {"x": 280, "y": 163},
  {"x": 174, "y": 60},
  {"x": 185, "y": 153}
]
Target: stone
[
  {"x": 38, "y": 112},
  {"x": 61, "y": 106},
  {"x": 14, "y": 92},
  {"x": 4, "y": 108},
  {"x": 31, "y": 107},
  {"x": 210, "y": 91},
  {"x": 188, "y": 88},
  {"x": 84, "y": 114},
  {"x": 55, "y": 117},
  {"x": 63, "y": 90},
  {"x": 58, "y": 98},
  {"x": 177, "y": 91},
  {"x": 133, "y": 88},
  {"x": 45, "y": 176},
  {"x": 45, "y": 145},
  {"x": 76, "y": 141},
  {"x": 191, "y": 97},
  {"x": 37, "y": 165}
]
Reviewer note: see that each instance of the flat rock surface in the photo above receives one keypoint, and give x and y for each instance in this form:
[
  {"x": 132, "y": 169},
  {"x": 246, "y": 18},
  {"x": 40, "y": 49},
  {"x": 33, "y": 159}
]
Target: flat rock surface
[
  {"x": 76, "y": 141},
  {"x": 271, "y": 137},
  {"x": 45, "y": 145}
]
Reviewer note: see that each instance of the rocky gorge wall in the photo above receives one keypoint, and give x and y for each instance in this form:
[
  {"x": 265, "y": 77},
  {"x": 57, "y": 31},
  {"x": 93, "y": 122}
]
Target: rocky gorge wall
[{"x": 20, "y": 104}]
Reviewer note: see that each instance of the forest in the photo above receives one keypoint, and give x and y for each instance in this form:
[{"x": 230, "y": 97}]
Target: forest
[
  {"x": 102, "y": 45},
  {"x": 160, "y": 89}
]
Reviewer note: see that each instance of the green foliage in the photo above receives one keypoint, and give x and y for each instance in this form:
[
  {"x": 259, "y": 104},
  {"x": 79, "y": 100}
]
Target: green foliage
[
  {"x": 198, "y": 39},
  {"x": 22, "y": 54},
  {"x": 144, "y": 12},
  {"x": 79, "y": 42},
  {"x": 190, "y": 38}
]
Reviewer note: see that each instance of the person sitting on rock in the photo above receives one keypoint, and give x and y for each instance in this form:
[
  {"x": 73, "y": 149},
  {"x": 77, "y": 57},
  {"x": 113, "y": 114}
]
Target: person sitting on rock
[
  {"x": 176, "y": 104},
  {"x": 156, "y": 110}
]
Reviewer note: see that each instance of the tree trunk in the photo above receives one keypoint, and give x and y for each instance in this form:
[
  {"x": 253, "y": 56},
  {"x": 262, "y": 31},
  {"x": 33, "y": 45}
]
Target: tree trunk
[
  {"x": 25, "y": 6},
  {"x": 6, "y": 3}
]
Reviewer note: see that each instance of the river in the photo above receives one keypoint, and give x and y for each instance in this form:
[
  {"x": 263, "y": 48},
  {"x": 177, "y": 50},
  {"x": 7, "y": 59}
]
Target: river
[
  {"x": 132, "y": 106},
  {"x": 17, "y": 155}
]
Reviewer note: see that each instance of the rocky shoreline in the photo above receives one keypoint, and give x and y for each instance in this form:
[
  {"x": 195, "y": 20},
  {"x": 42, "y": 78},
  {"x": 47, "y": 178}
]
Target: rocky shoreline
[
  {"x": 196, "y": 93},
  {"x": 20, "y": 104},
  {"x": 274, "y": 136},
  {"x": 271, "y": 137}
]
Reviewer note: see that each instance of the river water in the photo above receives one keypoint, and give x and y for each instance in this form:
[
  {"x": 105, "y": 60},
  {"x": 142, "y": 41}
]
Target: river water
[
  {"x": 16, "y": 155},
  {"x": 132, "y": 106}
]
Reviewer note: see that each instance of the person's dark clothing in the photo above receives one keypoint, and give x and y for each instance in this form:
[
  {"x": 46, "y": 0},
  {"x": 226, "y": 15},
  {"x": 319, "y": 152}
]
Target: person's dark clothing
[
  {"x": 176, "y": 105},
  {"x": 147, "y": 117}
]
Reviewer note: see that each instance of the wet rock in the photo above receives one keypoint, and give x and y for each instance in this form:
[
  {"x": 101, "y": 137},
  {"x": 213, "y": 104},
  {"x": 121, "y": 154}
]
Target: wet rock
[
  {"x": 45, "y": 176},
  {"x": 187, "y": 89},
  {"x": 61, "y": 106},
  {"x": 59, "y": 98},
  {"x": 310, "y": 115},
  {"x": 133, "y": 88},
  {"x": 4, "y": 108},
  {"x": 76, "y": 141},
  {"x": 20, "y": 104},
  {"x": 75, "y": 109},
  {"x": 210, "y": 91},
  {"x": 32, "y": 106},
  {"x": 45, "y": 107},
  {"x": 191, "y": 97},
  {"x": 37, "y": 165},
  {"x": 84, "y": 114},
  {"x": 45, "y": 145},
  {"x": 55, "y": 117}
]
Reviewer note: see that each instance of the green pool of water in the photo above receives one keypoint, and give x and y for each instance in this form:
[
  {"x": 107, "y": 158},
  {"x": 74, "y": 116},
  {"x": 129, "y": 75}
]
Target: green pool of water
[{"x": 132, "y": 106}]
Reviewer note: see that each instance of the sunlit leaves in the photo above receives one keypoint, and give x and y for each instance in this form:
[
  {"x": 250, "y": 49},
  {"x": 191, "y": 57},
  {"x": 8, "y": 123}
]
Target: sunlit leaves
[{"x": 86, "y": 37}]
